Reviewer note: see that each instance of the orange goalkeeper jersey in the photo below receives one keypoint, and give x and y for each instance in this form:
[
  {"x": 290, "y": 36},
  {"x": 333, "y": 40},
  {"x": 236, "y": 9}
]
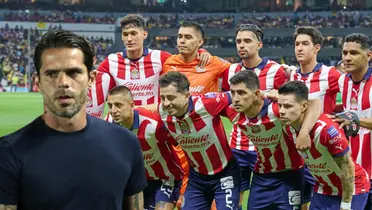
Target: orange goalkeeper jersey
[{"x": 202, "y": 80}]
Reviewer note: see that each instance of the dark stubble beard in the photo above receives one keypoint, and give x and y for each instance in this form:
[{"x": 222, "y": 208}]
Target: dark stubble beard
[{"x": 67, "y": 111}]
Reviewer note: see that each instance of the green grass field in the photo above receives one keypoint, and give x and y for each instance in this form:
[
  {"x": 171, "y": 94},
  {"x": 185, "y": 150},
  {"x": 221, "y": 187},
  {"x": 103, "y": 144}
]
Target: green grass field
[{"x": 19, "y": 109}]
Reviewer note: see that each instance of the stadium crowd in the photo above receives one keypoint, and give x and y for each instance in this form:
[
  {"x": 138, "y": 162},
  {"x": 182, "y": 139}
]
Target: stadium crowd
[{"x": 16, "y": 53}]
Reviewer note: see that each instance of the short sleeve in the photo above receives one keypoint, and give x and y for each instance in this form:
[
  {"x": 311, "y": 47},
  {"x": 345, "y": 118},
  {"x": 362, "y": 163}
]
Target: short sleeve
[
  {"x": 215, "y": 103},
  {"x": 137, "y": 181},
  {"x": 9, "y": 170},
  {"x": 280, "y": 78},
  {"x": 335, "y": 140}
]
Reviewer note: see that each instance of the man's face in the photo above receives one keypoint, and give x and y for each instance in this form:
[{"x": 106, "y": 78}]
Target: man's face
[
  {"x": 290, "y": 110},
  {"x": 188, "y": 41},
  {"x": 305, "y": 50},
  {"x": 64, "y": 81},
  {"x": 133, "y": 37},
  {"x": 120, "y": 107},
  {"x": 354, "y": 57},
  {"x": 174, "y": 102},
  {"x": 247, "y": 44},
  {"x": 243, "y": 98}
]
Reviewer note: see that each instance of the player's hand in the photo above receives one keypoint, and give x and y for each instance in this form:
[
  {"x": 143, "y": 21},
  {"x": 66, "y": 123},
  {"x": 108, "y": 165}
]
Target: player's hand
[
  {"x": 272, "y": 94},
  {"x": 289, "y": 69},
  {"x": 303, "y": 141},
  {"x": 342, "y": 121},
  {"x": 203, "y": 58}
]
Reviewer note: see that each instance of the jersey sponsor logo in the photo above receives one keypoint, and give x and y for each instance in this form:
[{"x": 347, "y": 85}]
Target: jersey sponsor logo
[
  {"x": 191, "y": 142},
  {"x": 144, "y": 89},
  {"x": 336, "y": 139},
  {"x": 317, "y": 167},
  {"x": 333, "y": 132},
  {"x": 294, "y": 197},
  {"x": 185, "y": 128},
  {"x": 339, "y": 147},
  {"x": 263, "y": 141}
]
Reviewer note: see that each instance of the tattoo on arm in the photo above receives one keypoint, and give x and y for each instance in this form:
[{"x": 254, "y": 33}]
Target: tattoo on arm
[
  {"x": 134, "y": 202},
  {"x": 8, "y": 207},
  {"x": 347, "y": 176}
]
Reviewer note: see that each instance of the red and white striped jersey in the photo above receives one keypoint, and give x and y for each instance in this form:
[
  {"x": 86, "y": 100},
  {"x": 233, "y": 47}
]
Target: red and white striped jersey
[
  {"x": 357, "y": 97},
  {"x": 271, "y": 76},
  {"x": 322, "y": 83},
  {"x": 140, "y": 76},
  {"x": 275, "y": 150},
  {"x": 160, "y": 159},
  {"x": 327, "y": 143},
  {"x": 200, "y": 132}
]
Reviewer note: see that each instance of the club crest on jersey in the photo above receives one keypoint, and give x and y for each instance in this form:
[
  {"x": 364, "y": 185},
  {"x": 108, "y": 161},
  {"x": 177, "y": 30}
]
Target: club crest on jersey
[
  {"x": 255, "y": 128},
  {"x": 353, "y": 104},
  {"x": 134, "y": 74},
  {"x": 185, "y": 128}
]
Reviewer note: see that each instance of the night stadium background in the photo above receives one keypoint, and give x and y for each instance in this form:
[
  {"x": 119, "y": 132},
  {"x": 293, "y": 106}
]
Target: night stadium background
[{"x": 22, "y": 22}]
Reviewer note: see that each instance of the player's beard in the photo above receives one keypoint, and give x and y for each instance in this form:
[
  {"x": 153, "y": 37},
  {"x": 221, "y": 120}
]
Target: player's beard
[{"x": 69, "y": 110}]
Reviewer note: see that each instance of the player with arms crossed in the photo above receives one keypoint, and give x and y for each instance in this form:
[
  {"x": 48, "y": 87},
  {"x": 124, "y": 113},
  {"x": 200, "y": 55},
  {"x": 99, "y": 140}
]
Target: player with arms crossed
[
  {"x": 278, "y": 176},
  {"x": 163, "y": 169},
  {"x": 195, "y": 124},
  {"x": 356, "y": 93},
  {"x": 137, "y": 67},
  {"x": 271, "y": 75},
  {"x": 202, "y": 79},
  {"x": 66, "y": 159},
  {"x": 340, "y": 183}
]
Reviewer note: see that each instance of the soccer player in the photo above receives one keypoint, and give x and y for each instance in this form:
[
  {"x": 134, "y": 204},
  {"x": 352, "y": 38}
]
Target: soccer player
[
  {"x": 357, "y": 97},
  {"x": 163, "y": 169},
  {"x": 340, "y": 183},
  {"x": 137, "y": 67},
  {"x": 202, "y": 80},
  {"x": 66, "y": 159},
  {"x": 271, "y": 75},
  {"x": 278, "y": 176},
  {"x": 195, "y": 123},
  {"x": 321, "y": 80}
]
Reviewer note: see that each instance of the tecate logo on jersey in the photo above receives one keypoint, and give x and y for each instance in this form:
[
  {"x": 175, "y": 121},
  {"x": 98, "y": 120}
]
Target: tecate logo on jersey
[{"x": 139, "y": 87}]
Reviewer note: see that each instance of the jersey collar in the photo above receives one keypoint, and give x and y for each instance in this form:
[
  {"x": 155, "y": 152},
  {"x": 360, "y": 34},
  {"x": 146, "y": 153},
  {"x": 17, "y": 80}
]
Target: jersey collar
[
  {"x": 317, "y": 68},
  {"x": 264, "y": 109},
  {"x": 135, "y": 121},
  {"x": 366, "y": 76},
  {"x": 145, "y": 52},
  {"x": 260, "y": 66}
]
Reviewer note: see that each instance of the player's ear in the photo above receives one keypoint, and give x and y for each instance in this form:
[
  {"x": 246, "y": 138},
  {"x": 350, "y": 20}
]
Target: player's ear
[
  {"x": 188, "y": 94},
  {"x": 92, "y": 77},
  {"x": 304, "y": 107},
  {"x": 317, "y": 48},
  {"x": 369, "y": 55},
  {"x": 145, "y": 33},
  {"x": 260, "y": 45},
  {"x": 257, "y": 94},
  {"x": 201, "y": 42}
]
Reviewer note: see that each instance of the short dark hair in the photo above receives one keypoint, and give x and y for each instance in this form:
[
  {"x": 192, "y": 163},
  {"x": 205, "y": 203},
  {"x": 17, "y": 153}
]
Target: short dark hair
[
  {"x": 359, "y": 38},
  {"x": 297, "y": 88},
  {"x": 195, "y": 26},
  {"x": 314, "y": 33},
  {"x": 64, "y": 39},
  {"x": 253, "y": 28},
  {"x": 135, "y": 20},
  {"x": 248, "y": 77},
  {"x": 121, "y": 89},
  {"x": 176, "y": 79}
]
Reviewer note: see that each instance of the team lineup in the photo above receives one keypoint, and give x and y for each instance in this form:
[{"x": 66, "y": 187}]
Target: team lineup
[{"x": 287, "y": 145}]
